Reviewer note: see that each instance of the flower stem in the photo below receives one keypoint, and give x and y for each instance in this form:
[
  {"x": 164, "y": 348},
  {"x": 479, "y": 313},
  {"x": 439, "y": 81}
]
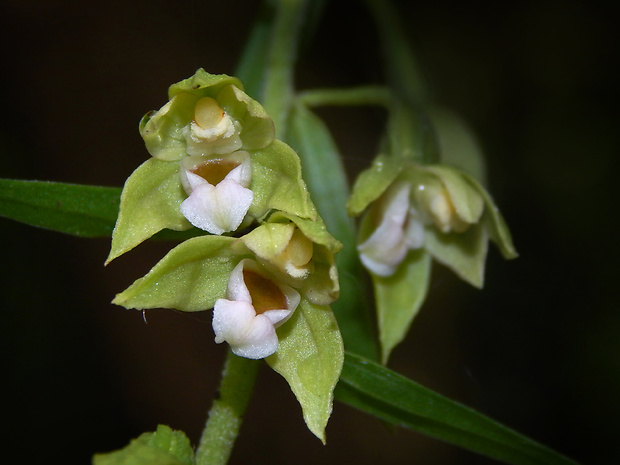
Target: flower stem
[
  {"x": 226, "y": 414},
  {"x": 365, "y": 95}
]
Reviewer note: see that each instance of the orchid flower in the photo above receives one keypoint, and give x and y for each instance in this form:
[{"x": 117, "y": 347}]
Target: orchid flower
[{"x": 255, "y": 306}]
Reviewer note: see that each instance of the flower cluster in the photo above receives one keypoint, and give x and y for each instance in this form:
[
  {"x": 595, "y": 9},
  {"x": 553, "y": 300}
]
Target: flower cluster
[{"x": 216, "y": 166}]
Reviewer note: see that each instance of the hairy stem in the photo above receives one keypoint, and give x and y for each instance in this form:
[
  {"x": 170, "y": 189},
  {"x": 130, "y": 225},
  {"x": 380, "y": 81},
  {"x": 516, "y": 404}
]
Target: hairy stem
[{"x": 226, "y": 414}]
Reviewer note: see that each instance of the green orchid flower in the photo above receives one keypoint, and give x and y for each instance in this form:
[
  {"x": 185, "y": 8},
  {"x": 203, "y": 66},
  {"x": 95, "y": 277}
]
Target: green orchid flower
[{"x": 412, "y": 213}]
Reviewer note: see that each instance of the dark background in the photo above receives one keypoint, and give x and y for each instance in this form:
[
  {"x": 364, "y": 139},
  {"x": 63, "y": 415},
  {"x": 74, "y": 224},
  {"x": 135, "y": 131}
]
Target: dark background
[{"x": 537, "y": 349}]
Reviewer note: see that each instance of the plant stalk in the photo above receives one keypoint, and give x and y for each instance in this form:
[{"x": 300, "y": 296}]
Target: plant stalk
[{"x": 226, "y": 414}]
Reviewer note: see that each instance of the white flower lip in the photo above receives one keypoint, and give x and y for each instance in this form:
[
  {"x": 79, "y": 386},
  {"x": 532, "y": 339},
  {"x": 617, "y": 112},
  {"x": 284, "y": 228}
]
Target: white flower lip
[
  {"x": 221, "y": 207},
  {"x": 398, "y": 231},
  {"x": 251, "y": 333}
]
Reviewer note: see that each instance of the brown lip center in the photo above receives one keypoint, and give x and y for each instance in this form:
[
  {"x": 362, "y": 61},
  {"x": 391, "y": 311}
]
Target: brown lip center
[
  {"x": 265, "y": 294},
  {"x": 215, "y": 171}
]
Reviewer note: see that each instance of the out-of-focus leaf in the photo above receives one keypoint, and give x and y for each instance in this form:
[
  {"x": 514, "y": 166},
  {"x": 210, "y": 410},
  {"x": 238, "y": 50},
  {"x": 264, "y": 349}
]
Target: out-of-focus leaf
[
  {"x": 458, "y": 146},
  {"x": 87, "y": 211},
  {"x": 326, "y": 179},
  {"x": 163, "y": 447},
  {"x": 310, "y": 358},
  {"x": 391, "y": 397}
]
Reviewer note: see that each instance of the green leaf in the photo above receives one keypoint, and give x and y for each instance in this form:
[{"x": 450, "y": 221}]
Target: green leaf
[
  {"x": 87, "y": 211},
  {"x": 150, "y": 202},
  {"x": 324, "y": 172},
  {"x": 393, "y": 398},
  {"x": 399, "y": 298},
  {"x": 190, "y": 278},
  {"x": 277, "y": 183},
  {"x": 464, "y": 253},
  {"x": 458, "y": 146},
  {"x": 163, "y": 447},
  {"x": 252, "y": 64},
  {"x": 310, "y": 358},
  {"x": 494, "y": 223}
]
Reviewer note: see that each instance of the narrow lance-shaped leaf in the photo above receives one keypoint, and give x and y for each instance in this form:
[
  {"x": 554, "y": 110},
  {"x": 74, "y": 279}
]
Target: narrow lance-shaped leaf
[
  {"x": 393, "y": 398},
  {"x": 310, "y": 358},
  {"x": 87, "y": 211},
  {"x": 324, "y": 172}
]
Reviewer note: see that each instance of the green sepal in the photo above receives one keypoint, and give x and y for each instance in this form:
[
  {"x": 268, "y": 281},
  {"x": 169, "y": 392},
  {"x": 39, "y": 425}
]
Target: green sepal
[
  {"x": 399, "y": 298},
  {"x": 162, "y": 130},
  {"x": 162, "y": 447},
  {"x": 467, "y": 201},
  {"x": 310, "y": 358},
  {"x": 150, "y": 202},
  {"x": 277, "y": 183},
  {"x": 190, "y": 278},
  {"x": 373, "y": 182},
  {"x": 494, "y": 223},
  {"x": 464, "y": 253}
]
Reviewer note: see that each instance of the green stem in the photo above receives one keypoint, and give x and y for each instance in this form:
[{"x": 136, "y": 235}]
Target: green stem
[
  {"x": 278, "y": 88},
  {"x": 402, "y": 68},
  {"x": 365, "y": 95},
  {"x": 226, "y": 414}
]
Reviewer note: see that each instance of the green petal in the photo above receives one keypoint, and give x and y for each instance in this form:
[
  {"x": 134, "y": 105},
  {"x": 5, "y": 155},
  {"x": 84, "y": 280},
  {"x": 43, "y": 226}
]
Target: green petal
[
  {"x": 277, "y": 183},
  {"x": 467, "y": 201},
  {"x": 399, "y": 298},
  {"x": 495, "y": 224},
  {"x": 373, "y": 182},
  {"x": 464, "y": 253},
  {"x": 190, "y": 278},
  {"x": 150, "y": 202},
  {"x": 310, "y": 358},
  {"x": 163, "y": 447},
  {"x": 162, "y": 130}
]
